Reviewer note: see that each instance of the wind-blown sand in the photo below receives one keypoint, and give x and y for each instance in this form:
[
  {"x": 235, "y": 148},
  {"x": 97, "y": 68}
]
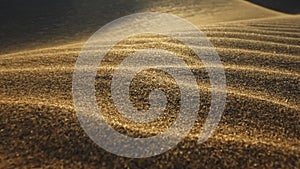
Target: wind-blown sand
[{"x": 259, "y": 128}]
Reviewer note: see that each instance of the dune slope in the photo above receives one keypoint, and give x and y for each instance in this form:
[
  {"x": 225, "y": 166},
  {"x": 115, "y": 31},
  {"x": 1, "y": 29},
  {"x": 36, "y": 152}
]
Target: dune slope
[{"x": 260, "y": 126}]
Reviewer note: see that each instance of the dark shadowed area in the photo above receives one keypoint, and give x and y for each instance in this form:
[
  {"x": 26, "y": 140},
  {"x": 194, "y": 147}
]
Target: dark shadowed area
[
  {"x": 286, "y": 6},
  {"x": 26, "y": 22}
]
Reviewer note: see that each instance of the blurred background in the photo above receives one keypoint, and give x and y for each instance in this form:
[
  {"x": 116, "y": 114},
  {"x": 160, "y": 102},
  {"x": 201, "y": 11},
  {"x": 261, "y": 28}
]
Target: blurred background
[{"x": 34, "y": 23}]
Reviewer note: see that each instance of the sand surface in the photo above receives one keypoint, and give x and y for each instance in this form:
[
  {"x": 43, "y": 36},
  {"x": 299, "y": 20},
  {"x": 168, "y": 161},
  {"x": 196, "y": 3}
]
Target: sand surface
[{"x": 260, "y": 126}]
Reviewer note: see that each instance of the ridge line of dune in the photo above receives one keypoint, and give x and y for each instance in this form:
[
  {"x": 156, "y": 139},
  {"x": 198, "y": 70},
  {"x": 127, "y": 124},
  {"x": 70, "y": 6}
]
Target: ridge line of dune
[
  {"x": 77, "y": 50},
  {"x": 251, "y": 94},
  {"x": 207, "y": 28},
  {"x": 245, "y": 21},
  {"x": 43, "y": 69}
]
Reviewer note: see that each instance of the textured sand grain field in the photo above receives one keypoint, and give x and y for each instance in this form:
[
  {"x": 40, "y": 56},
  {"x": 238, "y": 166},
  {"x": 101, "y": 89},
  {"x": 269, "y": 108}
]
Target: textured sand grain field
[{"x": 259, "y": 128}]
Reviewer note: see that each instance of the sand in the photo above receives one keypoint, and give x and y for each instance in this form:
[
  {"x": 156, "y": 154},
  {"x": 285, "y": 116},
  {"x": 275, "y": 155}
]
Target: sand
[{"x": 259, "y": 128}]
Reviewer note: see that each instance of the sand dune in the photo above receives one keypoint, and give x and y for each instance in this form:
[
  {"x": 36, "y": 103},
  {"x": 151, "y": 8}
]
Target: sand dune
[
  {"x": 259, "y": 128},
  {"x": 47, "y": 23}
]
